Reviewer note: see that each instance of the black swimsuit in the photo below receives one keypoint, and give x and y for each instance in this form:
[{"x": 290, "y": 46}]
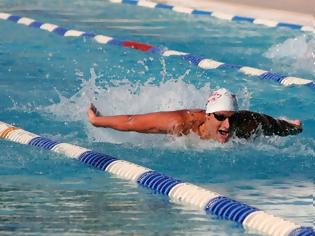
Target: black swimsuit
[{"x": 244, "y": 124}]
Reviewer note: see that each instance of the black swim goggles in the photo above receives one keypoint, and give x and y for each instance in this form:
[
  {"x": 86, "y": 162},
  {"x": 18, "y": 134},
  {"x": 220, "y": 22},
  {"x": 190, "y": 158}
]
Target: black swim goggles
[{"x": 220, "y": 117}]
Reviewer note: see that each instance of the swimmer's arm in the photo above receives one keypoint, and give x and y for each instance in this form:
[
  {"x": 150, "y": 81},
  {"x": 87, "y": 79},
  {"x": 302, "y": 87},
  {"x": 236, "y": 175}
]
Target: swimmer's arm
[
  {"x": 281, "y": 127},
  {"x": 249, "y": 122},
  {"x": 157, "y": 122}
]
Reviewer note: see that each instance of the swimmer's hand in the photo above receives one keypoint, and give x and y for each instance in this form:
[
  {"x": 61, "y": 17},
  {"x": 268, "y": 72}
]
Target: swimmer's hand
[
  {"x": 92, "y": 113},
  {"x": 297, "y": 123}
]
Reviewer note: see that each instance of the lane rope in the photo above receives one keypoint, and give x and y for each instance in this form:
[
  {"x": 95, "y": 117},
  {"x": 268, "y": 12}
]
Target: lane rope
[
  {"x": 201, "y": 62},
  {"x": 216, "y": 14},
  {"x": 251, "y": 218}
]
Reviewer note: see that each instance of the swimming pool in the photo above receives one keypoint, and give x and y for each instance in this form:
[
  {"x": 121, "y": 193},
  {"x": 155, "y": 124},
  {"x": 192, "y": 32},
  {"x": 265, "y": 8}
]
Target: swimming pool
[{"x": 47, "y": 81}]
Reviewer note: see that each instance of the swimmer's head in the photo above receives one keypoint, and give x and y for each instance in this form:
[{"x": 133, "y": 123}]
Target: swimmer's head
[
  {"x": 222, "y": 104},
  {"x": 221, "y": 100}
]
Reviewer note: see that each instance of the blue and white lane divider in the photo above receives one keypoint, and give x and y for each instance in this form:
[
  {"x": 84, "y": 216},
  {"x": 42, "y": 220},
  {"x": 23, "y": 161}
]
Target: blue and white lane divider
[
  {"x": 219, "y": 15},
  {"x": 251, "y": 218},
  {"x": 204, "y": 63}
]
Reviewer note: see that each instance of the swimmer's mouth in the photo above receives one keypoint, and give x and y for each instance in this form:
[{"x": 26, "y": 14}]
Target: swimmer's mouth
[{"x": 224, "y": 132}]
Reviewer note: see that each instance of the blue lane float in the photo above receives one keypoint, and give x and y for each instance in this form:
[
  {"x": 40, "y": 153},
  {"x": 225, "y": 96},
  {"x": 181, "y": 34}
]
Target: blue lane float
[
  {"x": 201, "y": 62},
  {"x": 219, "y": 15},
  {"x": 229, "y": 209},
  {"x": 96, "y": 160},
  {"x": 251, "y": 218}
]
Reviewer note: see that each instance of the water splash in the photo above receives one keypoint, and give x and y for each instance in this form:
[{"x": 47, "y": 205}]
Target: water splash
[
  {"x": 298, "y": 53},
  {"x": 245, "y": 96},
  {"x": 125, "y": 97}
]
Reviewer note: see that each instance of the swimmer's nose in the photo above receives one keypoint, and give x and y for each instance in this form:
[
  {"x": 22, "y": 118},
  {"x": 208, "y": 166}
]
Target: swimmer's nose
[{"x": 226, "y": 123}]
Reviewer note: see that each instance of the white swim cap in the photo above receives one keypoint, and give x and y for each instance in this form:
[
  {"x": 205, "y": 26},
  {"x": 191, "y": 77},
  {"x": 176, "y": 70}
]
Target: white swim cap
[{"x": 221, "y": 100}]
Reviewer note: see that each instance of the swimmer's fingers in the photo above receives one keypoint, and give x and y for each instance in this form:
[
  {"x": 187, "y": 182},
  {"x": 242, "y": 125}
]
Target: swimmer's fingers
[
  {"x": 91, "y": 111},
  {"x": 94, "y": 109},
  {"x": 297, "y": 123}
]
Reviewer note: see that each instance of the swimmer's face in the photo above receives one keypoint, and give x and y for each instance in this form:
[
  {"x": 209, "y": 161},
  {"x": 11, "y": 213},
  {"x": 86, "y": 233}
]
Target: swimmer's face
[{"x": 219, "y": 125}]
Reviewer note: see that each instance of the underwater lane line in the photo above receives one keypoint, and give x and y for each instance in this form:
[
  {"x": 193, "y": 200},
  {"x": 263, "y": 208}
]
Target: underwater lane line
[
  {"x": 251, "y": 218},
  {"x": 201, "y": 62},
  {"x": 219, "y": 15}
]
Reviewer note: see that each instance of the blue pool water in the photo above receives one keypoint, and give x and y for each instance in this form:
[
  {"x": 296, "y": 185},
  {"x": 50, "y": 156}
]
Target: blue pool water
[{"x": 47, "y": 82}]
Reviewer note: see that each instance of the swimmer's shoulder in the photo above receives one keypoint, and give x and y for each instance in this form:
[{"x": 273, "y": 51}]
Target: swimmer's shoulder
[
  {"x": 192, "y": 119},
  {"x": 245, "y": 115},
  {"x": 195, "y": 115},
  {"x": 189, "y": 116}
]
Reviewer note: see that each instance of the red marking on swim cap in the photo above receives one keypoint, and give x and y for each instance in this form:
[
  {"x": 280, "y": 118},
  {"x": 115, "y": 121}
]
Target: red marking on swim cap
[
  {"x": 214, "y": 96},
  {"x": 138, "y": 46}
]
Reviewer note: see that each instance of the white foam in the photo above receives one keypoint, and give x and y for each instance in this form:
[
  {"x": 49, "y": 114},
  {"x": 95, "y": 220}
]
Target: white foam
[
  {"x": 125, "y": 97},
  {"x": 297, "y": 52}
]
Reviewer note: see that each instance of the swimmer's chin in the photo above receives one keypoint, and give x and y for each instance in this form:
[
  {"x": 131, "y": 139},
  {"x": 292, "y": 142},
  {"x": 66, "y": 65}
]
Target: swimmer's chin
[
  {"x": 193, "y": 142},
  {"x": 223, "y": 137},
  {"x": 222, "y": 141}
]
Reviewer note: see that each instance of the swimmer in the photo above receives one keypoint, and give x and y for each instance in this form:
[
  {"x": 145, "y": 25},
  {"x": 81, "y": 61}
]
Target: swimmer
[{"x": 219, "y": 121}]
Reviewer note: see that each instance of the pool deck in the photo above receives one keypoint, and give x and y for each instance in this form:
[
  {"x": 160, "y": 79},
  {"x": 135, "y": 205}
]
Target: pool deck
[{"x": 290, "y": 11}]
